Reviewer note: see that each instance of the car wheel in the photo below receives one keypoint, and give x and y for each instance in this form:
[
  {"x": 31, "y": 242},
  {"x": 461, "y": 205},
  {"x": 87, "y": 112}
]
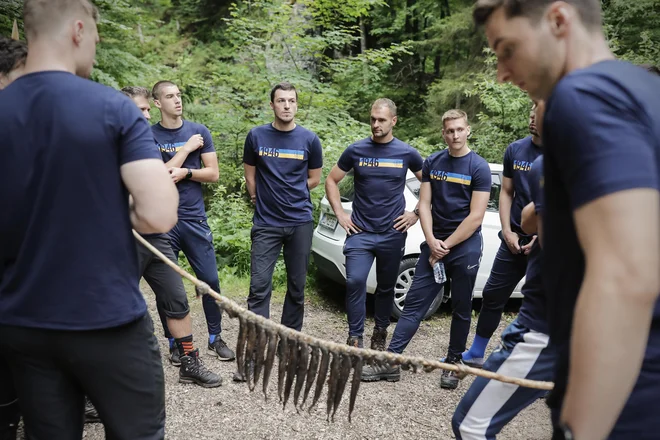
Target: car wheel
[{"x": 403, "y": 283}]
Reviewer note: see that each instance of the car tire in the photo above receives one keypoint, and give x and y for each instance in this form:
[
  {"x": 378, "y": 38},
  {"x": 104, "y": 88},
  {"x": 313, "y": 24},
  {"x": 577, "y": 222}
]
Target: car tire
[{"x": 403, "y": 283}]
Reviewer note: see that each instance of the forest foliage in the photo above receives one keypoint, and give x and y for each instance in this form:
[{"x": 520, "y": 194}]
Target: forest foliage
[{"x": 426, "y": 55}]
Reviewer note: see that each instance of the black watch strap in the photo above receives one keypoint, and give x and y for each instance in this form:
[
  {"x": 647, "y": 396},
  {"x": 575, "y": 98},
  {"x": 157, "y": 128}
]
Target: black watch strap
[
  {"x": 416, "y": 211},
  {"x": 189, "y": 175}
]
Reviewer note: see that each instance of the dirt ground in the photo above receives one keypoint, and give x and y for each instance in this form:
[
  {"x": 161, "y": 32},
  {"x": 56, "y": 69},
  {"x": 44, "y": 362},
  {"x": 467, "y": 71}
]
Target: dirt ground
[{"x": 413, "y": 408}]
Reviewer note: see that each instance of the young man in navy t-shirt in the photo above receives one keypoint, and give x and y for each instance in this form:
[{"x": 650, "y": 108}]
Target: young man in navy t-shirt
[
  {"x": 188, "y": 152},
  {"x": 452, "y": 203},
  {"x": 282, "y": 163},
  {"x": 511, "y": 260},
  {"x": 601, "y": 221},
  {"x": 378, "y": 225},
  {"x": 73, "y": 321},
  {"x": 12, "y": 62},
  {"x": 168, "y": 287},
  {"x": 525, "y": 349}
]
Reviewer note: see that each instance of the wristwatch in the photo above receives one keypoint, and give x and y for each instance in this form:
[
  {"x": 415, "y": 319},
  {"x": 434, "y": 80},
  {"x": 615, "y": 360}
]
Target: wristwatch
[
  {"x": 562, "y": 432},
  {"x": 189, "y": 175},
  {"x": 416, "y": 211}
]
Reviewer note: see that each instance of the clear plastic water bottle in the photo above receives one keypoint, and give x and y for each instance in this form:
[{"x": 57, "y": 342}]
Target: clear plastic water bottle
[{"x": 439, "y": 272}]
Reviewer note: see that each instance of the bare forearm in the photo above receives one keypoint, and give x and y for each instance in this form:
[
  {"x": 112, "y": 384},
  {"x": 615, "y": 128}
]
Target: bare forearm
[
  {"x": 312, "y": 182},
  {"x": 332, "y": 194},
  {"x": 205, "y": 175},
  {"x": 528, "y": 219},
  {"x": 464, "y": 230},
  {"x": 610, "y": 330},
  {"x": 506, "y": 200},
  {"x": 426, "y": 218},
  {"x": 145, "y": 222},
  {"x": 177, "y": 160},
  {"x": 251, "y": 185}
]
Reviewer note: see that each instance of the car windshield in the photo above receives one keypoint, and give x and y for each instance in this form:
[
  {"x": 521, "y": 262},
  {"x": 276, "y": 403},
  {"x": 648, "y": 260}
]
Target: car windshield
[{"x": 414, "y": 185}]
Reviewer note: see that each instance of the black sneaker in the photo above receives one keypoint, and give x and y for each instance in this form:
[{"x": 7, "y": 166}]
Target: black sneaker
[
  {"x": 378, "y": 339},
  {"x": 193, "y": 370},
  {"x": 219, "y": 348},
  {"x": 355, "y": 341},
  {"x": 91, "y": 414},
  {"x": 381, "y": 372},
  {"x": 449, "y": 379},
  {"x": 175, "y": 356}
]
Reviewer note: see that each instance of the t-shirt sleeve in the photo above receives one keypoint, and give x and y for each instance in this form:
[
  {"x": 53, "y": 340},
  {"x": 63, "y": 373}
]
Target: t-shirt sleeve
[
  {"x": 345, "y": 162},
  {"x": 599, "y": 142},
  {"x": 536, "y": 184},
  {"x": 481, "y": 177},
  {"x": 508, "y": 162},
  {"x": 249, "y": 153},
  {"x": 426, "y": 171},
  {"x": 416, "y": 162},
  {"x": 136, "y": 140},
  {"x": 208, "y": 146},
  {"x": 315, "y": 154}
]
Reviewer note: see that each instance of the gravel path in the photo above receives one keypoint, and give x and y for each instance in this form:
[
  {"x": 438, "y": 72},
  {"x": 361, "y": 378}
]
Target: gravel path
[{"x": 413, "y": 408}]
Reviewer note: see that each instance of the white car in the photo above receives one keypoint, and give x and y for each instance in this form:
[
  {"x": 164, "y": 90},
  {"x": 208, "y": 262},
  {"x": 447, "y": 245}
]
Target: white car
[{"x": 329, "y": 236}]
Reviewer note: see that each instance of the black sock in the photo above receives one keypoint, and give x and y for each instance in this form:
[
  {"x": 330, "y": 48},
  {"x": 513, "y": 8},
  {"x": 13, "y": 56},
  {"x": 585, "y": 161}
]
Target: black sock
[{"x": 184, "y": 345}]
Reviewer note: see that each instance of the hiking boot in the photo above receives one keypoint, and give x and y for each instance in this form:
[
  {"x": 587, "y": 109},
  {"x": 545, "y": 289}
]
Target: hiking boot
[
  {"x": 378, "y": 339},
  {"x": 91, "y": 414},
  {"x": 219, "y": 348},
  {"x": 449, "y": 379},
  {"x": 474, "y": 362},
  {"x": 193, "y": 370},
  {"x": 175, "y": 356},
  {"x": 374, "y": 373},
  {"x": 355, "y": 341}
]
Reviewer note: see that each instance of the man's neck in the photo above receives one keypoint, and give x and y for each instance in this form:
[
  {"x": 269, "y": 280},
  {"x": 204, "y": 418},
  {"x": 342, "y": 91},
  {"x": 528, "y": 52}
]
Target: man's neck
[
  {"x": 536, "y": 140},
  {"x": 383, "y": 140},
  {"x": 588, "y": 49},
  {"x": 46, "y": 56},
  {"x": 171, "y": 122},
  {"x": 459, "y": 153},
  {"x": 280, "y": 125}
]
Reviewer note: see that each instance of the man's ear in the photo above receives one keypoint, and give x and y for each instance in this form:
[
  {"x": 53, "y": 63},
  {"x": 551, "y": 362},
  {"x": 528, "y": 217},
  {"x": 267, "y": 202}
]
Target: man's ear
[
  {"x": 157, "y": 103},
  {"x": 394, "y": 119},
  {"x": 78, "y": 31}
]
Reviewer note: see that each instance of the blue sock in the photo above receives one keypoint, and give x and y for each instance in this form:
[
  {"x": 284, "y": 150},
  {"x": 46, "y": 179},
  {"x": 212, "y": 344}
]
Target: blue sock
[
  {"x": 478, "y": 348},
  {"x": 172, "y": 343},
  {"x": 212, "y": 338}
]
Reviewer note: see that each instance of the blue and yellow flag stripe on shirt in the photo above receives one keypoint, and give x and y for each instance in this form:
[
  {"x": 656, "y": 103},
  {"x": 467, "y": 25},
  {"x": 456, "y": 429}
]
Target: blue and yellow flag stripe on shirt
[
  {"x": 451, "y": 177},
  {"x": 171, "y": 148},
  {"x": 282, "y": 153},
  {"x": 380, "y": 163}
]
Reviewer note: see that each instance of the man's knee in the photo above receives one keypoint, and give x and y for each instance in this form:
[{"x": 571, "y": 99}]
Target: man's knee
[{"x": 355, "y": 283}]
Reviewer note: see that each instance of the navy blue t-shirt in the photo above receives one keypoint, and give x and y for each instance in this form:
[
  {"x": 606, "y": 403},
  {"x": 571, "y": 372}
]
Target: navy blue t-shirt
[
  {"x": 453, "y": 180},
  {"x": 191, "y": 198},
  {"x": 518, "y": 159},
  {"x": 380, "y": 177},
  {"x": 67, "y": 253},
  {"x": 601, "y": 136},
  {"x": 282, "y": 160},
  {"x": 533, "y": 311}
]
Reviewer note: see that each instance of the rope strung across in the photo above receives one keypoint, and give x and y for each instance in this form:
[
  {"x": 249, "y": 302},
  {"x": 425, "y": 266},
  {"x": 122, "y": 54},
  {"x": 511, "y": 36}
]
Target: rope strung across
[{"x": 305, "y": 358}]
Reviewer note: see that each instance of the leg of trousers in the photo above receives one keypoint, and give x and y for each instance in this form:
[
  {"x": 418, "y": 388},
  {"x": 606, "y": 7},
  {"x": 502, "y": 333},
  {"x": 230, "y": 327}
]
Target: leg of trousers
[
  {"x": 418, "y": 300},
  {"x": 508, "y": 269},
  {"x": 195, "y": 239},
  {"x": 489, "y": 405},
  {"x": 461, "y": 266},
  {"x": 266, "y": 246},
  {"x": 359, "y": 252},
  {"x": 297, "y": 247},
  {"x": 389, "y": 250},
  {"x": 9, "y": 412},
  {"x": 171, "y": 296},
  {"x": 119, "y": 369}
]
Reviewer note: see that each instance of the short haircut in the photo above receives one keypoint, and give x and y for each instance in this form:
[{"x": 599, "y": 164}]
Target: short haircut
[
  {"x": 12, "y": 55},
  {"x": 286, "y": 86},
  {"x": 385, "y": 102},
  {"x": 588, "y": 10},
  {"x": 454, "y": 114},
  {"x": 43, "y": 16},
  {"x": 134, "y": 91},
  {"x": 156, "y": 89},
  {"x": 651, "y": 68}
]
